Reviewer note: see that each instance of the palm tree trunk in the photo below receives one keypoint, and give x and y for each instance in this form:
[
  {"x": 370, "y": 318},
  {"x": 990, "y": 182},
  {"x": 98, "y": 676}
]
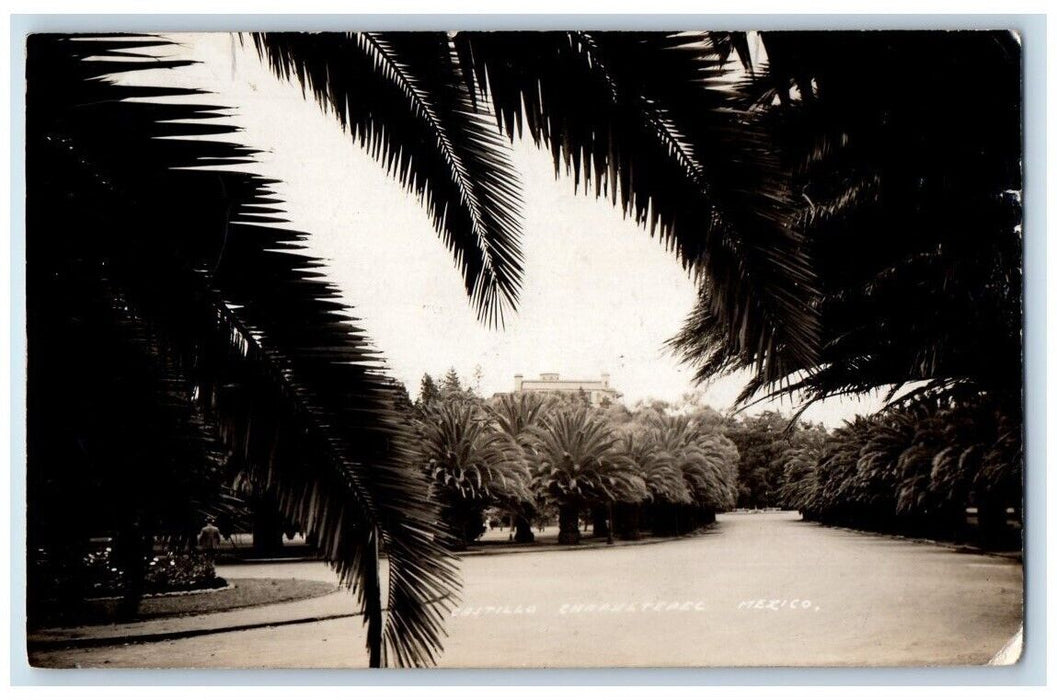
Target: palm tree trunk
[
  {"x": 600, "y": 521},
  {"x": 523, "y": 533},
  {"x": 568, "y": 523},
  {"x": 991, "y": 517},
  {"x": 268, "y": 525},
  {"x": 130, "y": 555},
  {"x": 628, "y": 516},
  {"x": 467, "y": 517},
  {"x": 609, "y": 523}
]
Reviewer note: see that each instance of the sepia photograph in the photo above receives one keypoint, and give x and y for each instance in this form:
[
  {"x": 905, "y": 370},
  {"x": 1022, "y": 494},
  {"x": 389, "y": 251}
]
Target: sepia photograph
[{"x": 556, "y": 349}]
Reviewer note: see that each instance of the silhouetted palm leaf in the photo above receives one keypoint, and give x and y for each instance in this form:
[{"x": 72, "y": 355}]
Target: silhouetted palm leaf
[
  {"x": 402, "y": 96},
  {"x": 255, "y": 339},
  {"x": 655, "y": 121},
  {"x": 908, "y": 182}
]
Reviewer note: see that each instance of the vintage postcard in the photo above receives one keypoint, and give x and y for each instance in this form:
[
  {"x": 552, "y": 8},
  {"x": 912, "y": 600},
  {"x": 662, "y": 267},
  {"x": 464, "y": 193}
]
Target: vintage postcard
[{"x": 519, "y": 349}]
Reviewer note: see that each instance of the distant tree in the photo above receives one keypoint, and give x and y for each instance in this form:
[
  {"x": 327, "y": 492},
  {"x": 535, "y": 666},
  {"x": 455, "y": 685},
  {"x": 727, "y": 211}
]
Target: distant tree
[
  {"x": 709, "y": 420},
  {"x": 428, "y": 392},
  {"x": 761, "y": 440},
  {"x": 451, "y": 384},
  {"x": 799, "y": 462},
  {"x": 657, "y": 406},
  {"x": 616, "y": 413}
]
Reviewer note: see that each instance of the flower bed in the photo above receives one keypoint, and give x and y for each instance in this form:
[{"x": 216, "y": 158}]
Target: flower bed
[
  {"x": 181, "y": 572},
  {"x": 97, "y": 575}
]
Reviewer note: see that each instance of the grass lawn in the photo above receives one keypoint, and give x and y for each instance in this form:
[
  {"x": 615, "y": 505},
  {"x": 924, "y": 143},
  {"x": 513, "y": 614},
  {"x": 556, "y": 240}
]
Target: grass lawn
[{"x": 243, "y": 593}]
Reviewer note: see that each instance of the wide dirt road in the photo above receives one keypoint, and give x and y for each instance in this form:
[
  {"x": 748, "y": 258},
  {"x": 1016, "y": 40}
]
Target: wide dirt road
[{"x": 759, "y": 590}]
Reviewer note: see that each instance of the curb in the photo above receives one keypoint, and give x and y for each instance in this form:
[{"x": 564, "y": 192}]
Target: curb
[
  {"x": 528, "y": 548},
  {"x": 953, "y": 546},
  {"x": 235, "y": 561},
  {"x": 171, "y": 594},
  {"x": 502, "y": 548}
]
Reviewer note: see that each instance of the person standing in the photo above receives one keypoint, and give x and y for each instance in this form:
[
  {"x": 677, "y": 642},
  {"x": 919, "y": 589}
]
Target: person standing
[{"x": 209, "y": 538}]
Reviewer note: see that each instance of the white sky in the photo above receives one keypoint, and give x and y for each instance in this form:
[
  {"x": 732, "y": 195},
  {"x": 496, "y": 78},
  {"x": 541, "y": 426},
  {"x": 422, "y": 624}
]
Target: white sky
[{"x": 599, "y": 295}]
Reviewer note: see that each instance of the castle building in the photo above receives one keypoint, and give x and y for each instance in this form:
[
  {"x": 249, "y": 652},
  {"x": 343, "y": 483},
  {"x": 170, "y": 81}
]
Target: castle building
[{"x": 598, "y": 391}]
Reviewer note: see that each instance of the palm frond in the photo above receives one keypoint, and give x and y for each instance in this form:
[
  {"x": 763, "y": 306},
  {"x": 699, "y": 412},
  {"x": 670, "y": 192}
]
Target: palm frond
[
  {"x": 654, "y": 121},
  {"x": 517, "y": 415},
  {"x": 402, "y": 97},
  {"x": 472, "y": 456},
  {"x": 579, "y": 458}
]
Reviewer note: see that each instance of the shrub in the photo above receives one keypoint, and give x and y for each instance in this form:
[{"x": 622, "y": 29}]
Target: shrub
[
  {"x": 95, "y": 573},
  {"x": 180, "y": 572}
]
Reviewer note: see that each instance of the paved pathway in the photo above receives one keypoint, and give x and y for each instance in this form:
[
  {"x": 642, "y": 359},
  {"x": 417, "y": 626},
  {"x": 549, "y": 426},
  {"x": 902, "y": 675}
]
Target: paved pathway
[{"x": 761, "y": 589}]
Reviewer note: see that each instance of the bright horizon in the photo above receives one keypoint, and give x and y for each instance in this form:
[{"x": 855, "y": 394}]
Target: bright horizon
[{"x": 598, "y": 295}]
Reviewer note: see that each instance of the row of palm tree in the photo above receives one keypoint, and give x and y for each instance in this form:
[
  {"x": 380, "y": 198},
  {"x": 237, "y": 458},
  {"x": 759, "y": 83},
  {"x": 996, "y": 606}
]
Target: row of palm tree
[
  {"x": 915, "y": 469},
  {"x": 522, "y": 453}
]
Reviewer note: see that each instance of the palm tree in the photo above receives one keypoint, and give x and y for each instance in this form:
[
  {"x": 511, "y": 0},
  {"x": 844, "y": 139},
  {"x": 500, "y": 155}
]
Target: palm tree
[
  {"x": 516, "y": 415},
  {"x": 720, "y": 456},
  {"x": 472, "y": 464},
  {"x": 707, "y": 464},
  {"x": 661, "y": 473},
  {"x": 799, "y": 475},
  {"x": 174, "y": 330},
  {"x": 799, "y": 482},
  {"x": 916, "y": 469},
  {"x": 580, "y": 464},
  {"x": 660, "y": 469},
  {"x": 971, "y": 454},
  {"x": 907, "y": 191},
  {"x": 836, "y": 470},
  {"x": 889, "y": 478}
]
